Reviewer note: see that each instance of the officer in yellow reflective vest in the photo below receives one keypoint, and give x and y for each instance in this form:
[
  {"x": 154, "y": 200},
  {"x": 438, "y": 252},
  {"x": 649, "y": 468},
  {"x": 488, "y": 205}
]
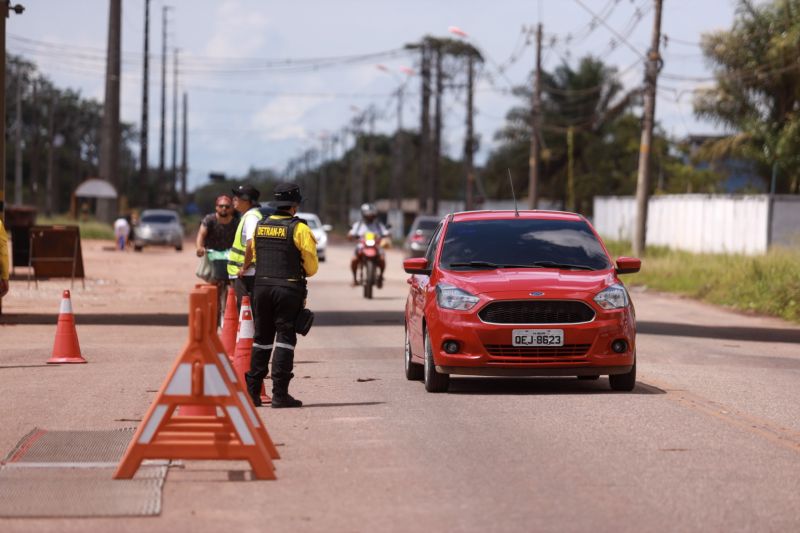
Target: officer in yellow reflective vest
[
  {"x": 285, "y": 254},
  {"x": 245, "y": 201}
]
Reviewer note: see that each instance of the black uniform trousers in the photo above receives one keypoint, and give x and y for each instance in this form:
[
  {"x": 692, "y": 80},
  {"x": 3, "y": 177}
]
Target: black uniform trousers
[{"x": 275, "y": 309}]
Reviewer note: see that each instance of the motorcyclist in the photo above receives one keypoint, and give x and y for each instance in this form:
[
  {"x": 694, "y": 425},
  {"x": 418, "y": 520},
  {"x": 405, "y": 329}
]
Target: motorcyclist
[{"x": 369, "y": 223}]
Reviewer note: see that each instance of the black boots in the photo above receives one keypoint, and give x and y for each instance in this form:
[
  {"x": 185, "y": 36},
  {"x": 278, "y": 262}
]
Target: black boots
[{"x": 286, "y": 400}]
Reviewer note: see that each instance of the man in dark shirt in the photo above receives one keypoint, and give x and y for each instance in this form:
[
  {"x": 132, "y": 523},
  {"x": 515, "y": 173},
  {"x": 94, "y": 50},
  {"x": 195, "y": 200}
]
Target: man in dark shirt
[{"x": 217, "y": 230}]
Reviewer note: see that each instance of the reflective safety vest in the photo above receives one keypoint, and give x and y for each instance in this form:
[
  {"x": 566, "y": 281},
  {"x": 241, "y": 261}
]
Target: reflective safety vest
[{"x": 236, "y": 256}]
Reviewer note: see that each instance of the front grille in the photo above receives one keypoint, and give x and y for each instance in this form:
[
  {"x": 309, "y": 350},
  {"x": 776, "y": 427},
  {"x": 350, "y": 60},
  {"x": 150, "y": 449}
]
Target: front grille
[
  {"x": 568, "y": 350},
  {"x": 537, "y": 312}
]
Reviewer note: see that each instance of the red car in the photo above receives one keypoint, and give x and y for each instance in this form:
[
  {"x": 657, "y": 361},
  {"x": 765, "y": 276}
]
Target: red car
[{"x": 532, "y": 293}]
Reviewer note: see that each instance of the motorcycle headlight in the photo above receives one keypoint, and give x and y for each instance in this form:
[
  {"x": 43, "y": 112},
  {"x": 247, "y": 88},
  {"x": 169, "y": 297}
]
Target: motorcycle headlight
[
  {"x": 451, "y": 297},
  {"x": 370, "y": 242},
  {"x": 612, "y": 297}
]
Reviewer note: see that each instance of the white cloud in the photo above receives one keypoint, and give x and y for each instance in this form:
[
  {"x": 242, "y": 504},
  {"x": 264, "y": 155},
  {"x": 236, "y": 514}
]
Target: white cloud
[
  {"x": 238, "y": 31},
  {"x": 283, "y": 118}
]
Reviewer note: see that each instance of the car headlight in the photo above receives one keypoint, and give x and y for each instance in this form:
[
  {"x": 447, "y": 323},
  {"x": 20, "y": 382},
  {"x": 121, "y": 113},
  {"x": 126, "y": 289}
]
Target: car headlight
[
  {"x": 612, "y": 297},
  {"x": 451, "y": 297}
]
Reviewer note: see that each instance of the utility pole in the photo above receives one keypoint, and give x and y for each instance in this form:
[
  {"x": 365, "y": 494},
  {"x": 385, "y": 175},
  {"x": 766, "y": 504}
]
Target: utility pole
[
  {"x": 469, "y": 142},
  {"x": 571, "y": 168},
  {"x": 323, "y": 176},
  {"x": 397, "y": 167},
  {"x": 51, "y": 135},
  {"x": 654, "y": 64},
  {"x": 371, "y": 166},
  {"x": 5, "y": 7},
  {"x": 144, "y": 174},
  {"x": 536, "y": 126},
  {"x": 433, "y": 202},
  {"x": 425, "y": 128},
  {"x": 163, "y": 133},
  {"x": 109, "y": 137},
  {"x": 18, "y": 140},
  {"x": 185, "y": 149},
  {"x": 174, "y": 180}
]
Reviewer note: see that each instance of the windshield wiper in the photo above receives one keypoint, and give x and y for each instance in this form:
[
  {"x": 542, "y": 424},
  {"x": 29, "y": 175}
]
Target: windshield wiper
[
  {"x": 553, "y": 264},
  {"x": 476, "y": 264}
]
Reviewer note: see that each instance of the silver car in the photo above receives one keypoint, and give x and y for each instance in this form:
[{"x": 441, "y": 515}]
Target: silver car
[
  {"x": 420, "y": 234},
  {"x": 319, "y": 230},
  {"x": 158, "y": 227}
]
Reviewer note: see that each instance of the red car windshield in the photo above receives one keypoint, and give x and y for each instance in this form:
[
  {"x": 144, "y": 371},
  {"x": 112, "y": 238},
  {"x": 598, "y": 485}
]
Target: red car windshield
[{"x": 522, "y": 243}]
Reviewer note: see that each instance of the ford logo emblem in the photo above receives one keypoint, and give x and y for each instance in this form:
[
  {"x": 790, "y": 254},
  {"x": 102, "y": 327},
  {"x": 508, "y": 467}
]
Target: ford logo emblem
[{"x": 537, "y": 293}]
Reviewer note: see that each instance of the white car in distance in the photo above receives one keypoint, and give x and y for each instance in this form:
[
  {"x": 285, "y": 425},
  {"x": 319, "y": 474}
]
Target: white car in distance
[{"x": 319, "y": 230}]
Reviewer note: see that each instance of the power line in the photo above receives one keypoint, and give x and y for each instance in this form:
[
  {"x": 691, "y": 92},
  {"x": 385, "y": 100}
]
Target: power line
[{"x": 611, "y": 29}]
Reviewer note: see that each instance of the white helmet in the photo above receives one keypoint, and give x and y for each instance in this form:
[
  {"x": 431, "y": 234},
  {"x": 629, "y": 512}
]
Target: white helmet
[{"x": 369, "y": 211}]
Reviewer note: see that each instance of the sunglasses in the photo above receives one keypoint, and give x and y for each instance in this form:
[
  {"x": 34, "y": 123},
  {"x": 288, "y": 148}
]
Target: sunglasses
[{"x": 226, "y": 206}]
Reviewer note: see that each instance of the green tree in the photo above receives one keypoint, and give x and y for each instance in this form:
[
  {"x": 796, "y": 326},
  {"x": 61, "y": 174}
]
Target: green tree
[
  {"x": 757, "y": 89},
  {"x": 589, "y": 100},
  {"x": 75, "y": 140}
]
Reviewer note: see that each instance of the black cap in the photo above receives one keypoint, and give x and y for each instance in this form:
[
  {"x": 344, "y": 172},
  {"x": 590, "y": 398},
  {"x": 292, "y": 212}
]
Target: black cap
[
  {"x": 287, "y": 195},
  {"x": 246, "y": 192}
]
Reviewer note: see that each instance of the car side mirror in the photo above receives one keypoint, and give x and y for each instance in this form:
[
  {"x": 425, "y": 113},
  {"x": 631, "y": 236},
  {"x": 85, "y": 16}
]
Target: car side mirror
[
  {"x": 327, "y": 227},
  {"x": 628, "y": 265},
  {"x": 416, "y": 265}
]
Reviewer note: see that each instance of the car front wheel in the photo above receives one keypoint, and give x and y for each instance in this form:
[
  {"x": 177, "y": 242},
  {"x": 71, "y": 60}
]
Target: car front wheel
[
  {"x": 624, "y": 382},
  {"x": 434, "y": 381},
  {"x": 414, "y": 371}
]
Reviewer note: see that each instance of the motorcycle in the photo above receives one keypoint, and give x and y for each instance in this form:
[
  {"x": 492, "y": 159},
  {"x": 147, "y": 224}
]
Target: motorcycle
[{"x": 369, "y": 255}]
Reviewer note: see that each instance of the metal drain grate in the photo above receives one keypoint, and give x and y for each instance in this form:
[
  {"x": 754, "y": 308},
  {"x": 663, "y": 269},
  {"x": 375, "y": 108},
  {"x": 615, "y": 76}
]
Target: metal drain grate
[
  {"x": 41, "y": 446},
  {"x": 69, "y": 474}
]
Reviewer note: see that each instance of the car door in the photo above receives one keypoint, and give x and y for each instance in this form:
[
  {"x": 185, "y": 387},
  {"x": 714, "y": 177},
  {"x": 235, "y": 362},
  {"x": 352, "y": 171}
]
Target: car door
[{"x": 419, "y": 286}]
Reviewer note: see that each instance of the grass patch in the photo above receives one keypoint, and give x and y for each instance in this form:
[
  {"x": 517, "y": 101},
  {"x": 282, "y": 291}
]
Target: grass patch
[
  {"x": 767, "y": 284},
  {"x": 90, "y": 229}
]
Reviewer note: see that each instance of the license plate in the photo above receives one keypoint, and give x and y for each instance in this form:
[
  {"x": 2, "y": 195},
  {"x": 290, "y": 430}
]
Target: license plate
[{"x": 537, "y": 337}]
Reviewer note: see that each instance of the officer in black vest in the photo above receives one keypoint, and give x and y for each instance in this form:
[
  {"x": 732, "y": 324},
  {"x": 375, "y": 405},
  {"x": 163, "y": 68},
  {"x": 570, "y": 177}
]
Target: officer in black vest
[{"x": 285, "y": 254}]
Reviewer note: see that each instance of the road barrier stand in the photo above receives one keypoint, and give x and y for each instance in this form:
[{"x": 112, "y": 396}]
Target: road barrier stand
[
  {"x": 202, "y": 376},
  {"x": 66, "y": 348}
]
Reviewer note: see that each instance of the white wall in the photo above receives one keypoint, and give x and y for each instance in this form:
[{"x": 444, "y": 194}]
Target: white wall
[{"x": 692, "y": 222}]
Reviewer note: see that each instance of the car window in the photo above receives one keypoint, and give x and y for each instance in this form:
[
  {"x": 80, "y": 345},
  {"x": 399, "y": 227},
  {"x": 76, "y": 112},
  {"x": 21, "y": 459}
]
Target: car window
[
  {"x": 159, "y": 219},
  {"x": 427, "y": 224},
  {"x": 312, "y": 223},
  {"x": 522, "y": 242},
  {"x": 429, "y": 254}
]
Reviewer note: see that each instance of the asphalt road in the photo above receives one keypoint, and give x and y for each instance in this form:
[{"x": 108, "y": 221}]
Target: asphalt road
[{"x": 708, "y": 441}]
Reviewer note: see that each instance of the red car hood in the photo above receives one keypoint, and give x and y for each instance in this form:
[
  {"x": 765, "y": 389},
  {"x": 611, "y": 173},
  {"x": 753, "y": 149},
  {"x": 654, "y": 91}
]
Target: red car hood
[{"x": 543, "y": 280}]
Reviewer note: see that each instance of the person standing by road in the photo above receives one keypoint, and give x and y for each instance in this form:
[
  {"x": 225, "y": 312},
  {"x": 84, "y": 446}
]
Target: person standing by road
[
  {"x": 245, "y": 201},
  {"x": 4, "y": 263},
  {"x": 121, "y": 231},
  {"x": 285, "y": 254}
]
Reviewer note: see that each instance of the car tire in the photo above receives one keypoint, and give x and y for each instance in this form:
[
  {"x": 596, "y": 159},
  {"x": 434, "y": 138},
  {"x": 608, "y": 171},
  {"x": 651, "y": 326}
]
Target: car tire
[
  {"x": 179, "y": 248},
  {"x": 137, "y": 247},
  {"x": 624, "y": 382},
  {"x": 414, "y": 371},
  {"x": 588, "y": 378},
  {"x": 321, "y": 258},
  {"x": 434, "y": 381}
]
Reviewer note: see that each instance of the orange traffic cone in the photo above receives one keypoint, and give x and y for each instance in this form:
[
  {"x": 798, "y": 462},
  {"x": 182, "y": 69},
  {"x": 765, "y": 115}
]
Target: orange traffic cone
[
  {"x": 230, "y": 323},
  {"x": 66, "y": 348},
  {"x": 244, "y": 346}
]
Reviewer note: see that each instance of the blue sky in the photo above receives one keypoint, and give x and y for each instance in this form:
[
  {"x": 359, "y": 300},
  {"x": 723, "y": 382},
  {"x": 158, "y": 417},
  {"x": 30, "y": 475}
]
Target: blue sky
[{"x": 243, "y": 114}]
